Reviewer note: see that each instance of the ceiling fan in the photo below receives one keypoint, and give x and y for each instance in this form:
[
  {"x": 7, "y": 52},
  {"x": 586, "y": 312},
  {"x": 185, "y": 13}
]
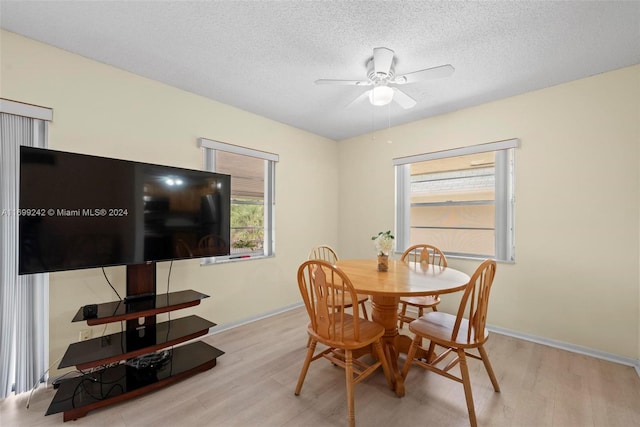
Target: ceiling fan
[{"x": 381, "y": 73}]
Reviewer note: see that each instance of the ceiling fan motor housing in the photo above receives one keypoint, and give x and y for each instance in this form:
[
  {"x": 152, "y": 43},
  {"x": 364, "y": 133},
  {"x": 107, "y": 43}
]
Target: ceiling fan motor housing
[{"x": 377, "y": 78}]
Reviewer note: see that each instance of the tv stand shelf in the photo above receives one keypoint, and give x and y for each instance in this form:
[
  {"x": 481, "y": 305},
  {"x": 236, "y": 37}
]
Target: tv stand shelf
[
  {"x": 161, "y": 303},
  {"x": 113, "y": 376},
  {"x": 77, "y": 396},
  {"x": 112, "y": 348}
]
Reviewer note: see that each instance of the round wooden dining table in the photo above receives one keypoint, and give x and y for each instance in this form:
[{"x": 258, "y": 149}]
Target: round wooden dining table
[{"x": 386, "y": 288}]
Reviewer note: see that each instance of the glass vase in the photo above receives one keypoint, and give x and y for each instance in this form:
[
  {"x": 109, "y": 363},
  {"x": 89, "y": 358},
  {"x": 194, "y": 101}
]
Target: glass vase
[{"x": 383, "y": 262}]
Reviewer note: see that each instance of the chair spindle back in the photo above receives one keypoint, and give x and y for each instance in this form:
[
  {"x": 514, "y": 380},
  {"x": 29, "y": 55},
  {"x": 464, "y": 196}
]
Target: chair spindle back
[
  {"x": 425, "y": 253},
  {"x": 475, "y": 302},
  {"x": 325, "y": 253},
  {"x": 324, "y": 289}
]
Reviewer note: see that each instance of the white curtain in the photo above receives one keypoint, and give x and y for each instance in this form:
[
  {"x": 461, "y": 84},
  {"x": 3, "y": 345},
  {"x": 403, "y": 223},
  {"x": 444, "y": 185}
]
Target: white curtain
[{"x": 24, "y": 300}]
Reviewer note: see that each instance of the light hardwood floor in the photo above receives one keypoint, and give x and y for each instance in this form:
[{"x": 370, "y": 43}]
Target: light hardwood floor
[{"x": 254, "y": 381}]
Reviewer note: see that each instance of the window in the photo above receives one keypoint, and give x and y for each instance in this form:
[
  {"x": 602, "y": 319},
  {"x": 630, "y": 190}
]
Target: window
[
  {"x": 252, "y": 195},
  {"x": 24, "y": 300},
  {"x": 459, "y": 200}
]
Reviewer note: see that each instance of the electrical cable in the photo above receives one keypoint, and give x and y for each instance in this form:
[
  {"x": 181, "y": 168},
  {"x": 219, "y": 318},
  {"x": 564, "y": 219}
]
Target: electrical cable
[
  {"x": 168, "y": 281},
  {"x": 114, "y": 289},
  {"x": 169, "y": 275},
  {"x": 89, "y": 393},
  {"x": 120, "y": 298},
  {"x": 169, "y": 313},
  {"x": 99, "y": 372},
  {"x": 41, "y": 379},
  {"x": 61, "y": 377}
]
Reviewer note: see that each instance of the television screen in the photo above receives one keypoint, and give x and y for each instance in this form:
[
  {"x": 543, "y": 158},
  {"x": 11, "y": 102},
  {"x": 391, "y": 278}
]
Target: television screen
[{"x": 81, "y": 211}]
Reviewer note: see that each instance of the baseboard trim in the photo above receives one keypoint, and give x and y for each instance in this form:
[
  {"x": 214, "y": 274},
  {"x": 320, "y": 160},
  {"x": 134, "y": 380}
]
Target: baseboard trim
[
  {"x": 628, "y": 361},
  {"x": 219, "y": 328}
]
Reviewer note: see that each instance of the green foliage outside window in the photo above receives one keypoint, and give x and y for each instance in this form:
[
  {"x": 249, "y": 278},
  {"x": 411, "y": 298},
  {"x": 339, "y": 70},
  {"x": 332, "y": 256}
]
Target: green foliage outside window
[{"x": 247, "y": 224}]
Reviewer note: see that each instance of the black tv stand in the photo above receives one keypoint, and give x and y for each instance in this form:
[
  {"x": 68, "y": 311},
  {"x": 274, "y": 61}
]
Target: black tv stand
[
  {"x": 111, "y": 381},
  {"x": 133, "y": 298}
]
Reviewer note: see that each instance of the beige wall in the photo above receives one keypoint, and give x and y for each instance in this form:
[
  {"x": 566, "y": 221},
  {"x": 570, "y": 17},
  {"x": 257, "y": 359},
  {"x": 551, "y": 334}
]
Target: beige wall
[
  {"x": 575, "y": 278},
  {"x": 105, "y": 111}
]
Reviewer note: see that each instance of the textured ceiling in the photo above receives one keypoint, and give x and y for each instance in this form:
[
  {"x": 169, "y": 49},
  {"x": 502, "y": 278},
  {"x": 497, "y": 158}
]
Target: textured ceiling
[{"x": 264, "y": 56}]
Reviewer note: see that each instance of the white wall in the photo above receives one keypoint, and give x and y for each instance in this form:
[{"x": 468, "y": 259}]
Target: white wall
[
  {"x": 104, "y": 111},
  {"x": 576, "y": 276}
]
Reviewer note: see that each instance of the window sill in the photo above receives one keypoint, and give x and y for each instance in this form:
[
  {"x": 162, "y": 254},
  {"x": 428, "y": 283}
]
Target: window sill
[
  {"x": 470, "y": 258},
  {"x": 236, "y": 258},
  {"x": 478, "y": 258}
]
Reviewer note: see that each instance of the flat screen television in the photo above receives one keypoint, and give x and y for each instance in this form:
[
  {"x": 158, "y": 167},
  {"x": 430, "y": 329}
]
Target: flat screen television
[{"x": 81, "y": 211}]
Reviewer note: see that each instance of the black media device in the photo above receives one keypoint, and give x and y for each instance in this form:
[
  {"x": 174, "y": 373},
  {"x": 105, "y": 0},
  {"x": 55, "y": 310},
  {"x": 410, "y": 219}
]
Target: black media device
[
  {"x": 90, "y": 311},
  {"x": 80, "y": 211}
]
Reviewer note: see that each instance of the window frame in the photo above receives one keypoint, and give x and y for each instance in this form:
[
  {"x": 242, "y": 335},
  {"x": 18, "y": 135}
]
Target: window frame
[
  {"x": 504, "y": 195},
  {"x": 209, "y": 148}
]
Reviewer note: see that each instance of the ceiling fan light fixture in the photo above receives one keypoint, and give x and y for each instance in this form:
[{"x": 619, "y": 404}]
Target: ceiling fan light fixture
[{"x": 380, "y": 95}]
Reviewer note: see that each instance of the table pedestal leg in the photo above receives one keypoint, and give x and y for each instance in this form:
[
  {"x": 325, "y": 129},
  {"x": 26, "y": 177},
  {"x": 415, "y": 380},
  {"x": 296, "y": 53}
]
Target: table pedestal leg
[{"x": 385, "y": 313}]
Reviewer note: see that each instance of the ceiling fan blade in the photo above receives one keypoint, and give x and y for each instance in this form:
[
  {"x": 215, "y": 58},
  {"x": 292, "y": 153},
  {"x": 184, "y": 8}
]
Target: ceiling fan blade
[
  {"x": 342, "y": 82},
  {"x": 359, "y": 99},
  {"x": 382, "y": 60},
  {"x": 404, "y": 100},
  {"x": 429, "y": 73}
]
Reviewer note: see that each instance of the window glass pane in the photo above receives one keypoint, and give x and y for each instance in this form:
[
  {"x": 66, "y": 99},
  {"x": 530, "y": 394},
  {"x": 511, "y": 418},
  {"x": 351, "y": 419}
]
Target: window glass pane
[
  {"x": 247, "y": 200},
  {"x": 452, "y": 204},
  {"x": 247, "y": 225},
  {"x": 247, "y": 173}
]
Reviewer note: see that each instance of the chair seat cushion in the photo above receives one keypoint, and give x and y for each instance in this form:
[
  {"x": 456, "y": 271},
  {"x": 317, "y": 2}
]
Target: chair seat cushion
[
  {"x": 370, "y": 332},
  {"x": 426, "y": 301},
  {"x": 438, "y": 327}
]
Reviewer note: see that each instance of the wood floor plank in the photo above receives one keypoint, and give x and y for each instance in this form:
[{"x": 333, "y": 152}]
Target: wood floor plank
[{"x": 253, "y": 385}]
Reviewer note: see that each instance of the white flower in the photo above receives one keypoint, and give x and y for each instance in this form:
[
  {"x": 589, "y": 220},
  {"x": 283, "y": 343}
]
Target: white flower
[{"x": 383, "y": 242}]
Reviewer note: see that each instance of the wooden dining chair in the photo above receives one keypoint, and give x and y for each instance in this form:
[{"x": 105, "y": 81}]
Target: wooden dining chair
[
  {"x": 212, "y": 244},
  {"x": 182, "y": 249},
  {"x": 420, "y": 253},
  {"x": 457, "y": 334},
  {"x": 324, "y": 289},
  {"x": 327, "y": 253}
]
